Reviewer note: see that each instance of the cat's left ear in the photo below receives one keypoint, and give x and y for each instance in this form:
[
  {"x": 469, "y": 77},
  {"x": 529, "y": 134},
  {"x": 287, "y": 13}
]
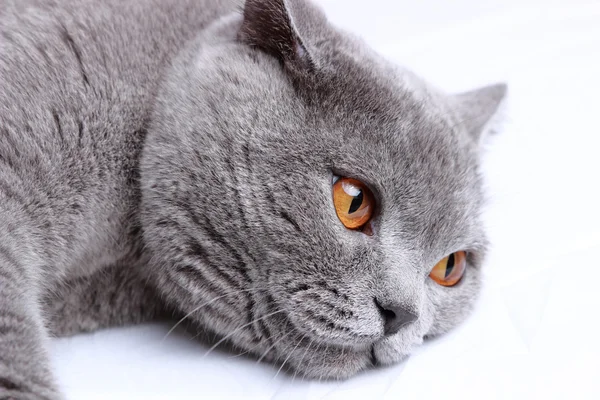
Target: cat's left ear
[
  {"x": 280, "y": 28},
  {"x": 478, "y": 108}
]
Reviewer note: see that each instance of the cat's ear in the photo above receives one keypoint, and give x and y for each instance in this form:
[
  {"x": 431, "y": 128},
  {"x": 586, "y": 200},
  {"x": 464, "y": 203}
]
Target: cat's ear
[
  {"x": 478, "y": 108},
  {"x": 272, "y": 26}
]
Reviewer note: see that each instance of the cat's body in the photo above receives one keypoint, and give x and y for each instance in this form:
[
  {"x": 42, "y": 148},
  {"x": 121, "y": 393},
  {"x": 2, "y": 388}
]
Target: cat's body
[
  {"x": 75, "y": 114},
  {"x": 134, "y": 142}
]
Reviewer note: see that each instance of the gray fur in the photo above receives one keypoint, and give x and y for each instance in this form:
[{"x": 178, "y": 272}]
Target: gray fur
[{"x": 176, "y": 157}]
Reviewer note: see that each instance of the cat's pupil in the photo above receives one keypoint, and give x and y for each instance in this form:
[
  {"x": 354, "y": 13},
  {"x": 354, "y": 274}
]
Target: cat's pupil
[
  {"x": 449, "y": 265},
  {"x": 356, "y": 202}
]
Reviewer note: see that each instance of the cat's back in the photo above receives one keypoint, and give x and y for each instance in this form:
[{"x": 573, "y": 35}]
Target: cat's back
[
  {"x": 99, "y": 60},
  {"x": 77, "y": 80}
]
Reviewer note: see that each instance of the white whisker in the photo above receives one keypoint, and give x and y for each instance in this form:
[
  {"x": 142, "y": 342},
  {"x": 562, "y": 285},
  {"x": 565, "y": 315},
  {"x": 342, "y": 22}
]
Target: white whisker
[
  {"x": 254, "y": 347},
  {"x": 204, "y": 305},
  {"x": 273, "y": 345},
  {"x": 302, "y": 359},
  {"x": 238, "y": 329},
  {"x": 248, "y": 350},
  {"x": 325, "y": 353},
  {"x": 315, "y": 355},
  {"x": 288, "y": 357}
]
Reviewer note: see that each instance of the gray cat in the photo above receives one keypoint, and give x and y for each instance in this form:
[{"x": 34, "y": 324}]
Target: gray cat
[{"x": 249, "y": 167}]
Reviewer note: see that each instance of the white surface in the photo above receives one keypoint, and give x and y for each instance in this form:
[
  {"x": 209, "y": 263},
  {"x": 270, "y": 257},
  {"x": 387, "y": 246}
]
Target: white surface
[{"x": 535, "y": 332}]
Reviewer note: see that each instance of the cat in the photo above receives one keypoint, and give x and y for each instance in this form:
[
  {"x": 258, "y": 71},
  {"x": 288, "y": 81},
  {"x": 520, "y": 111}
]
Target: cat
[{"x": 243, "y": 166}]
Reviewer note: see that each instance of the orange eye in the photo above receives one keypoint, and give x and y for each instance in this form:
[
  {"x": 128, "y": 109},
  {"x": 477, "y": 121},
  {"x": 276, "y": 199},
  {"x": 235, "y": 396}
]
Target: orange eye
[
  {"x": 449, "y": 270},
  {"x": 354, "y": 203}
]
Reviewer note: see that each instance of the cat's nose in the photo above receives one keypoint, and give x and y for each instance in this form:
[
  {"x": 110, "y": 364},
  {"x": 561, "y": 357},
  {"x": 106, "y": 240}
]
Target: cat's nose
[{"x": 394, "y": 317}]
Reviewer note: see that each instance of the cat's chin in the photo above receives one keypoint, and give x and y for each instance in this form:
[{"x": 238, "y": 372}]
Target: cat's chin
[
  {"x": 394, "y": 349},
  {"x": 337, "y": 363},
  {"x": 311, "y": 360},
  {"x": 321, "y": 361}
]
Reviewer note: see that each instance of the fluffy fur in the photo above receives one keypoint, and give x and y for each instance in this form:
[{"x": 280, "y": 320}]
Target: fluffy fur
[{"x": 176, "y": 158}]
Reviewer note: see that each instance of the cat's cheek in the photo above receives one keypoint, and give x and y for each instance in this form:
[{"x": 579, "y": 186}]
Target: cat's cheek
[{"x": 450, "y": 306}]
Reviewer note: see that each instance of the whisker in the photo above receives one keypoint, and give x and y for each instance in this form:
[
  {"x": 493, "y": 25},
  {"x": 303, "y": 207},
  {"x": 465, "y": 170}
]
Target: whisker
[
  {"x": 254, "y": 347},
  {"x": 314, "y": 355},
  {"x": 324, "y": 352},
  {"x": 273, "y": 345},
  {"x": 204, "y": 305},
  {"x": 248, "y": 350},
  {"x": 318, "y": 349},
  {"x": 240, "y": 328},
  {"x": 288, "y": 357},
  {"x": 302, "y": 359}
]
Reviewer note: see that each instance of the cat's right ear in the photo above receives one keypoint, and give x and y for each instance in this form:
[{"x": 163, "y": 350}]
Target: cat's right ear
[
  {"x": 479, "y": 109},
  {"x": 273, "y": 27}
]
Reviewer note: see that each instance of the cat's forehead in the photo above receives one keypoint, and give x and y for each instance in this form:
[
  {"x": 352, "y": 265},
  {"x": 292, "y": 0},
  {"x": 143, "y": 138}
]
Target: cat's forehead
[{"x": 391, "y": 122}]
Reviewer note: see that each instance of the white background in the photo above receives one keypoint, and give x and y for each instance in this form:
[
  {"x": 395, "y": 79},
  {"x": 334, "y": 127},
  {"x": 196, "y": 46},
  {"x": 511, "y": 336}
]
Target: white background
[{"x": 535, "y": 332}]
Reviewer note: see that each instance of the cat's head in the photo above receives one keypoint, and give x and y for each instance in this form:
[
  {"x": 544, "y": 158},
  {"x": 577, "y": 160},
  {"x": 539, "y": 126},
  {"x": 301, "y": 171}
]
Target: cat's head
[{"x": 298, "y": 191}]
